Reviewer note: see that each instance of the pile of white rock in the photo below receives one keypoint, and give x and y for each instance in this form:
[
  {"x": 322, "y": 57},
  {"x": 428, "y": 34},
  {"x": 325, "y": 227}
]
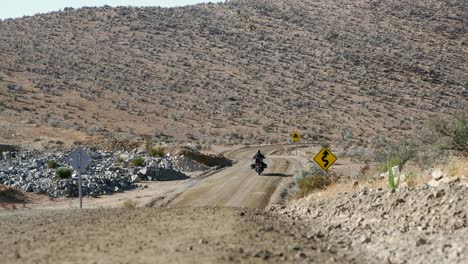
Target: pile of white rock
[{"x": 108, "y": 172}]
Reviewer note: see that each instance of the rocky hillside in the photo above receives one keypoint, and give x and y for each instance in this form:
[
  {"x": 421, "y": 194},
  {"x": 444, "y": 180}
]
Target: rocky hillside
[{"x": 242, "y": 70}]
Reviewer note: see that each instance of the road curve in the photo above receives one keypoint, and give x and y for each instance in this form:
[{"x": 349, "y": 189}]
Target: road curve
[{"x": 240, "y": 186}]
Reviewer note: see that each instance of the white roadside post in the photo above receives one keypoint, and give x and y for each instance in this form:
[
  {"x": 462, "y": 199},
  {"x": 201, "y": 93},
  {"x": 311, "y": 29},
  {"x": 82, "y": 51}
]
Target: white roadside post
[{"x": 79, "y": 160}]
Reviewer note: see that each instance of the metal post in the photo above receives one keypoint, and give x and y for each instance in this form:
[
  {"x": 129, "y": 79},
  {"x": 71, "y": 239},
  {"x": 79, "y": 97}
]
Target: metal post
[
  {"x": 79, "y": 181},
  {"x": 295, "y": 144}
]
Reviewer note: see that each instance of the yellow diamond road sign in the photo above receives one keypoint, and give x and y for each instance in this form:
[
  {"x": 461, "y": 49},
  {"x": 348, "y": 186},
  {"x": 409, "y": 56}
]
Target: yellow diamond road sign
[
  {"x": 296, "y": 136},
  {"x": 325, "y": 158}
]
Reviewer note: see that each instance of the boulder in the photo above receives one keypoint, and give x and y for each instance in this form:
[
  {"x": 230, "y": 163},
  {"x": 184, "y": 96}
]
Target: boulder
[
  {"x": 135, "y": 178},
  {"x": 437, "y": 174},
  {"x": 449, "y": 180},
  {"x": 434, "y": 183}
]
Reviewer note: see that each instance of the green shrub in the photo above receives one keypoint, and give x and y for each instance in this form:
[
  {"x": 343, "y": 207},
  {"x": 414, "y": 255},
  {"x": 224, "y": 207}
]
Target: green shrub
[
  {"x": 156, "y": 152},
  {"x": 137, "y": 162},
  {"x": 64, "y": 173},
  {"x": 53, "y": 123},
  {"x": 391, "y": 177},
  {"x": 2, "y": 106},
  {"x": 52, "y": 164}
]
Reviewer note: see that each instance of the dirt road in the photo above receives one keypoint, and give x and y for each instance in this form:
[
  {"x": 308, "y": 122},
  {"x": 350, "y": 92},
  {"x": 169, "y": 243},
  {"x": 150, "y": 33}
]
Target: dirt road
[
  {"x": 155, "y": 235},
  {"x": 240, "y": 186}
]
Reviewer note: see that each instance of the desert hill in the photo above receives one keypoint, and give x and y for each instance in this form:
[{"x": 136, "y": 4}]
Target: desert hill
[{"x": 240, "y": 71}]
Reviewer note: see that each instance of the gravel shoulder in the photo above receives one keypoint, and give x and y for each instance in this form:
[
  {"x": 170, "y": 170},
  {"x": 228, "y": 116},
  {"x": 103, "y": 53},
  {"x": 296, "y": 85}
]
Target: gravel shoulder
[{"x": 421, "y": 225}]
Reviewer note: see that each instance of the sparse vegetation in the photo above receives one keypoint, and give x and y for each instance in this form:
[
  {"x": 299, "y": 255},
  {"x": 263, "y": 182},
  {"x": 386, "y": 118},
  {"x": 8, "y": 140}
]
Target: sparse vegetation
[
  {"x": 137, "y": 162},
  {"x": 315, "y": 82},
  {"x": 64, "y": 173},
  {"x": 447, "y": 134},
  {"x": 155, "y": 151},
  {"x": 310, "y": 181},
  {"x": 411, "y": 179},
  {"x": 129, "y": 204},
  {"x": 119, "y": 159},
  {"x": 52, "y": 164},
  {"x": 2, "y": 106},
  {"x": 53, "y": 123}
]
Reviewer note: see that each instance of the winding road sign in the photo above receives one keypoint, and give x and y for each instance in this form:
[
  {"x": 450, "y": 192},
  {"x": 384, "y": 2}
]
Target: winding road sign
[
  {"x": 325, "y": 158},
  {"x": 296, "y": 136}
]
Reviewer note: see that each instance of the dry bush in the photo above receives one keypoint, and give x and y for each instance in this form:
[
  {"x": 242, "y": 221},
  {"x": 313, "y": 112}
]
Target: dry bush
[
  {"x": 129, "y": 204},
  {"x": 448, "y": 134},
  {"x": 11, "y": 195}
]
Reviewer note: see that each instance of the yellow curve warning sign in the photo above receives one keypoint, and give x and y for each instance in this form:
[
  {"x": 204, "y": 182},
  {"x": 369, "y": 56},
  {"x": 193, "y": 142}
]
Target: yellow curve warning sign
[
  {"x": 296, "y": 136},
  {"x": 325, "y": 158}
]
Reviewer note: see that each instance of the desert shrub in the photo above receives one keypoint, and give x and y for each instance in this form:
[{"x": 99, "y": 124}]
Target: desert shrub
[
  {"x": 119, "y": 159},
  {"x": 397, "y": 154},
  {"x": 53, "y": 123},
  {"x": 52, "y": 164},
  {"x": 332, "y": 35},
  {"x": 310, "y": 181},
  {"x": 93, "y": 130},
  {"x": 2, "y": 106},
  {"x": 129, "y": 204},
  {"x": 156, "y": 151},
  {"x": 64, "y": 173},
  {"x": 310, "y": 184},
  {"x": 137, "y": 162},
  {"x": 448, "y": 134}
]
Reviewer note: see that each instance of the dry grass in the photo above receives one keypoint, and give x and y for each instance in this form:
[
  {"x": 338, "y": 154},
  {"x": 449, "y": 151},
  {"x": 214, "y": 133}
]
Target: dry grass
[
  {"x": 308, "y": 185},
  {"x": 129, "y": 204},
  {"x": 458, "y": 167}
]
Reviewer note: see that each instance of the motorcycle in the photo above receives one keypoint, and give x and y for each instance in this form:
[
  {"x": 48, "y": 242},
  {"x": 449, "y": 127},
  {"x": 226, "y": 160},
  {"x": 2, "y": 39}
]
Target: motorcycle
[{"x": 259, "y": 167}]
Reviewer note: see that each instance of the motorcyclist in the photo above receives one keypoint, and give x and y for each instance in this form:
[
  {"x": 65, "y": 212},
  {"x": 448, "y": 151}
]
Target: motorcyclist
[{"x": 259, "y": 157}]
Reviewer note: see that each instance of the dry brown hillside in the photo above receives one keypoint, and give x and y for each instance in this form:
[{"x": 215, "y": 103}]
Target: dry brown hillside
[{"x": 244, "y": 70}]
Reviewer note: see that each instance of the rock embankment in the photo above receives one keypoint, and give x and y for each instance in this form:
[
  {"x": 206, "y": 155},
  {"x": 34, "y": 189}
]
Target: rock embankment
[
  {"x": 109, "y": 172},
  {"x": 422, "y": 225}
]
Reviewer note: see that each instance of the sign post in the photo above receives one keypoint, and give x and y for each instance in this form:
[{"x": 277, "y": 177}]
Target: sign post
[
  {"x": 325, "y": 158},
  {"x": 296, "y": 136},
  {"x": 79, "y": 160}
]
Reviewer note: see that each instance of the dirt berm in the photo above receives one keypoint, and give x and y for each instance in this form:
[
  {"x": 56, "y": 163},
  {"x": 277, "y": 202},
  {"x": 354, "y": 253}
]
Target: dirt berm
[{"x": 205, "y": 159}]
